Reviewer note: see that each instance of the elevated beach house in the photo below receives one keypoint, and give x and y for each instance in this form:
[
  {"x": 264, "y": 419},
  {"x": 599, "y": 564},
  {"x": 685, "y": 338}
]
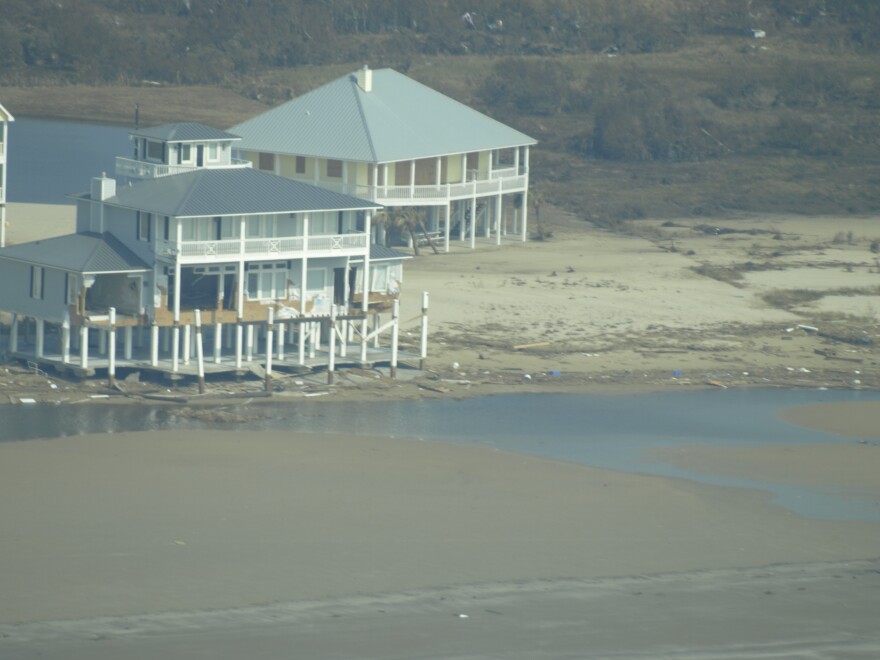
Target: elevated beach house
[
  {"x": 381, "y": 136},
  {"x": 192, "y": 235},
  {"x": 5, "y": 118}
]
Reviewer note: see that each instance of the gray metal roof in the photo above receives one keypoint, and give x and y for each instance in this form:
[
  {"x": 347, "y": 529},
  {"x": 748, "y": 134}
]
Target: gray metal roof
[
  {"x": 399, "y": 119},
  {"x": 87, "y": 253},
  {"x": 183, "y": 132},
  {"x": 234, "y": 191}
]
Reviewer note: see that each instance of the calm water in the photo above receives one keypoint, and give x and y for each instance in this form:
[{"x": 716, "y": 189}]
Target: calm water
[
  {"x": 48, "y": 160},
  {"x": 603, "y": 431}
]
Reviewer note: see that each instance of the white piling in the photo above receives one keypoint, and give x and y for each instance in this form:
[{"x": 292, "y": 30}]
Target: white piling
[
  {"x": 154, "y": 344},
  {"x": 395, "y": 327},
  {"x": 84, "y": 346},
  {"x": 218, "y": 342},
  {"x": 200, "y": 353},
  {"x": 111, "y": 369},
  {"x": 187, "y": 343},
  {"x": 423, "y": 345},
  {"x": 175, "y": 348},
  {"x": 269, "y": 348},
  {"x": 128, "y": 340},
  {"x": 331, "y": 364},
  {"x": 65, "y": 341}
]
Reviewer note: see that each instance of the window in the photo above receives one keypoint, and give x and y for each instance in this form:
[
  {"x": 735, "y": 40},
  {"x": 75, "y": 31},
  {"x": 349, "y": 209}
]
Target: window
[
  {"x": 155, "y": 150},
  {"x": 144, "y": 226},
  {"x": 201, "y": 229},
  {"x": 267, "y": 281},
  {"x": 300, "y": 164},
  {"x": 379, "y": 277},
  {"x": 316, "y": 279},
  {"x": 334, "y": 169},
  {"x": 69, "y": 289},
  {"x": 212, "y": 152},
  {"x": 166, "y": 233},
  {"x": 185, "y": 153},
  {"x": 37, "y": 282},
  {"x": 267, "y": 162}
]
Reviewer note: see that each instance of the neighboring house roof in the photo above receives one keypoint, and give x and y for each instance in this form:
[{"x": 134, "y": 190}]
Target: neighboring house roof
[
  {"x": 217, "y": 192},
  {"x": 5, "y": 115},
  {"x": 399, "y": 119},
  {"x": 87, "y": 253},
  {"x": 183, "y": 132}
]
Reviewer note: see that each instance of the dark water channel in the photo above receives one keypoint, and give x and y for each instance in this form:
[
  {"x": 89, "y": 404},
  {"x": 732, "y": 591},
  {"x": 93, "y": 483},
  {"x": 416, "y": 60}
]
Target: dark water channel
[{"x": 602, "y": 431}]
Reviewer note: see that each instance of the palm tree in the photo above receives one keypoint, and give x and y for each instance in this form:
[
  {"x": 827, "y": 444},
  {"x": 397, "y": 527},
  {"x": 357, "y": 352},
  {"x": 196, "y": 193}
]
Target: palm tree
[{"x": 406, "y": 219}]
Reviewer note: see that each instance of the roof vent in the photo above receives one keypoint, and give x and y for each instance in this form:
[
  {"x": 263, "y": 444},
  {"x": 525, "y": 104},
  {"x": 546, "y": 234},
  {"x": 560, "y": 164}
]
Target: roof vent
[{"x": 365, "y": 79}]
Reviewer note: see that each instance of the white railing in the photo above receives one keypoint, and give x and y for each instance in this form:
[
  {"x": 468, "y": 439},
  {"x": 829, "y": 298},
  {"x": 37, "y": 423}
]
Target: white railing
[
  {"x": 139, "y": 169},
  {"x": 281, "y": 247}
]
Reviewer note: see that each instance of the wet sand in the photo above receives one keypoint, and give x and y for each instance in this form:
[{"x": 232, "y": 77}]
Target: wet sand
[{"x": 176, "y": 537}]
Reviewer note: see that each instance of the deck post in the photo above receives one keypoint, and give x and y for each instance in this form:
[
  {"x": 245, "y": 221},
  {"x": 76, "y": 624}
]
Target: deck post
[
  {"x": 331, "y": 364},
  {"x": 280, "y": 341},
  {"x": 102, "y": 341},
  {"x": 175, "y": 347},
  {"x": 377, "y": 323},
  {"x": 269, "y": 348},
  {"x": 498, "y": 215},
  {"x": 40, "y": 336},
  {"x": 365, "y": 296},
  {"x": 218, "y": 342},
  {"x": 395, "y": 320},
  {"x": 187, "y": 343},
  {"x": 343, "y": 338},
  {"x": 301, "y": 341},
  {"x": 448, "y": 222},
  {"x": 13, "y": 334},
  {"x": 473, "y": 203},
  {"x": 65, "y": 340},
  {"x": 200, "y": 351},
  {"x": 423, "y": 344},
  {"x": 525, "y": 199},
  {"x": 84, "y": 346},
  {"x": 312, "y": 342},
  {"x": 238, "y": 342},
  {"x": 111, "y": 369},
  {"x": 154, "y": 344},
  {"x": 249, "y": 343},
  {"x": 127, "y": 337}
]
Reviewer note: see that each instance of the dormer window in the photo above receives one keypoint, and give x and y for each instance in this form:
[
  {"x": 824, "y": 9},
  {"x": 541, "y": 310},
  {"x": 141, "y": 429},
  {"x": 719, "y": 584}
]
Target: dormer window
[
  {"x": 212, "y": 152},
  {"x": 185, "y": 154}
]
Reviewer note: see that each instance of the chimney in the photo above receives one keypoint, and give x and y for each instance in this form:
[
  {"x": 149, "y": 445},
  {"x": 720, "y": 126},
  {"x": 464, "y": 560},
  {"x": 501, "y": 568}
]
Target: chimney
[
  {"x": 365, "y": 79},
  {"x": 103, "y": 187}
]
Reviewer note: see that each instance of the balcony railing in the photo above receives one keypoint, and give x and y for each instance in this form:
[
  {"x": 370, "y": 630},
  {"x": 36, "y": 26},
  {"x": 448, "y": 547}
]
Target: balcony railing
[
  {"x": 501, "y": 181},
  {"x": 268, "y": 248},
  {"x": 138, "y": 169}
]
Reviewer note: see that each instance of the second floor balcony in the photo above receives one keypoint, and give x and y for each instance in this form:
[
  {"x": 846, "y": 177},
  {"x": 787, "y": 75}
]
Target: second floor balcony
[
  {"x": 284, "y": 247},
  {"x": 139, "y": 169}
]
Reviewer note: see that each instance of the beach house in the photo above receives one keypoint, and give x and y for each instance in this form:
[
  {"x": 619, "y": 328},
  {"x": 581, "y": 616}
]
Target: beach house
[
  {"x": 188, "y": 236},
  {"x": 5, "y": 118},
  {"x": 381, "y": 136}
]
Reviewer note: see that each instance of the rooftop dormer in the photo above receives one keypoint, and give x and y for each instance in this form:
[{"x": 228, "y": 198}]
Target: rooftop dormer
[{"x": 176, "y": 148}]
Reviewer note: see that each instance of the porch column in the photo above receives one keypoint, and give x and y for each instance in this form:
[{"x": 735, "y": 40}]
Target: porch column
[
  {"x": 280, "y": 340},
  {"x": 498, "y": 207},
  {"x": 127, "y": 338},
  {"x": 175, "y": 347},
  {"x": 269, "y": 347},
  {"x": 423, "y": 344},
  {"x": 175, "y": 335},
  {"x": 239, "y": 292},
  {"x": 516, "y": 161},
  {"x": 448, "y": 223},
  {"x": 395, "y": 322},
  {"x": 13, "y": 334},
  {"x": 412, "y": 178},
  {"x": 200, "y": 352},
  {"x": 249, "y": 343},
  {"x": 102, "y": 341},
  {"x": 84, "y": 347},
  {"x": 384, "y": 179},
  {"x": 474, "y": 219},
  {"x": 218, "y": 342},
  {"x": 111, "y": 368},
  {"x": 41, "y": 334},
  {"x": 187, "y": 343},
  {"x": 365, "y": 299},
  {"x": 65, "y": 340},
  {"x": 303, "y": 278},
  {"x": 525, "y": 202},
  {"x": 154, "y": 344},
  {"x": 331, "y": 357}
]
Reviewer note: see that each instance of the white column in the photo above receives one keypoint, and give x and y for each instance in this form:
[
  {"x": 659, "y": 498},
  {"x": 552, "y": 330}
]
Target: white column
[
  {"x": 65, "y": 341},
  {"x": 84, "y": 347},
  {"x": 498, "y": 215},
  {"x": 154, "y": 344},
  {"x": 175, "y": 348},
  {"x": 127, "y": 341},
  {"x": 280, "y": 341},
  {"x": 448, "y": 223},
  {"x": 13, "y": 334},
  {"x": 525, "y": 199},
  {"x": 111, "y": 369},
  {"x": 41, "y": 334},
  {"x": 412, "y": 179},
  {"x": 218, "y": 342},
  {"x": 395, "y": 322},
  {"x": 474, "y": 220},
  {"x": 102, "y": 342},
  {"x": 423, "y": 344},
  {"x": 365, "y": 298},
  {"x": 249, "y": 343},
  {"x": 269, "y": 347},
  {"x": 200, "y": 352},
  {"x": 187, "y": 343},
  {"x": 331, "y": 364}
]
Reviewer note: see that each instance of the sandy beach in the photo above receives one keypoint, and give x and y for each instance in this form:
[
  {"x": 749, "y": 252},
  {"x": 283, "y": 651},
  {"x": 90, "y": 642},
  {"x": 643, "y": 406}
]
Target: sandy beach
[{"x": 230, "y": 544}]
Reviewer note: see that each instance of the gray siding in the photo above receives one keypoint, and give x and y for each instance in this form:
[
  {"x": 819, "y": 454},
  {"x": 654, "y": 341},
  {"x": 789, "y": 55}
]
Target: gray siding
[{"x": 15, "y": 294}]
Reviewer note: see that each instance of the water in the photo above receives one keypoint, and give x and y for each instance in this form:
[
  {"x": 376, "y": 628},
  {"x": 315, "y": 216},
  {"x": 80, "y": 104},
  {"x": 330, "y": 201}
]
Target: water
[
  {"x": 49, "y": 160},
  {"x": 602, "y": 431}
]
